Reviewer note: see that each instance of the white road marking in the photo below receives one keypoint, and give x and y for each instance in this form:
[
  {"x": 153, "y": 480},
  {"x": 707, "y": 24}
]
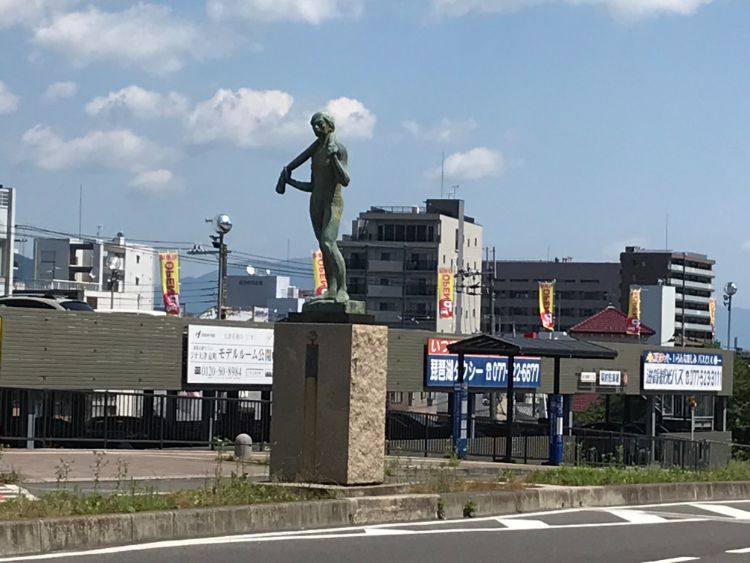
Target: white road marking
[
  {"x": 522, "y": 523},
  {"x": 674, "y": 560},
  {"x": 312, "y": 535},
  {"x": 743, "y": 550},
  {"x": 637, "y": 516},
  {"x": 723, "y": 510},
  {"x": 385, "y": 532}
]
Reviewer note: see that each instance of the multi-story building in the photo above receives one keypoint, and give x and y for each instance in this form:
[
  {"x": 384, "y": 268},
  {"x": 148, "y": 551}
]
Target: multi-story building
[
  {"x": 582, "y": 289},
  {"x": 689, "y": 273},
  {"x": 393, "y": 256},
  {"x": 81, "y": 265},
  {"x": 274, "y": 293}
]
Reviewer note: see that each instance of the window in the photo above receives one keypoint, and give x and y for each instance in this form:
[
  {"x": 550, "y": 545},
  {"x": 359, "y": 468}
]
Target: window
[
  {"x": 387, "y": 306},
  {"x": 385, "y": 256},
  {"x": 400, "y": 233},
  {"x": 411, "y": 233},
  {"x": 137, "y": 260},
  {"x": 385, "y": 281},
  {"x": 137, "y": 280},
  {"x": 396, "y": 397}
]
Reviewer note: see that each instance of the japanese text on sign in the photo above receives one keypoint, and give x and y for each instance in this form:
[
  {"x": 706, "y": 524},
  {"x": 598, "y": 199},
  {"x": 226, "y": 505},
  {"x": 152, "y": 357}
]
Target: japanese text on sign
[
  {"x": 229, "y": 355},
  {"x": 441, "y": 369},
  {"x": 682, "y": 371}
]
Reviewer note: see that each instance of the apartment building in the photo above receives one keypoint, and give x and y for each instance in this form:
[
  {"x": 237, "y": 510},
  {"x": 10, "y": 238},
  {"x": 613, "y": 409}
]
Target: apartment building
[{"x": 393, "y": 258}]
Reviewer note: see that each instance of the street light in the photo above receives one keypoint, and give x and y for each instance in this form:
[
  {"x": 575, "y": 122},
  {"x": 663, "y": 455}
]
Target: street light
[
  {"x": 729, "y": 290},
  {"x": 222, "y": 225},
  {"x": 114, "y": 263}
]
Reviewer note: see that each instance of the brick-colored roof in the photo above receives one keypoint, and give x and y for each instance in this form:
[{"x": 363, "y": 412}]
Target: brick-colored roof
[{"x": 608, "y": 321}]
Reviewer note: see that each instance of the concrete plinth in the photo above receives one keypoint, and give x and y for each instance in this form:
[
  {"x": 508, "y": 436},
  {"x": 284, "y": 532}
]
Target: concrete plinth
[{"x": 329, "y": 386}]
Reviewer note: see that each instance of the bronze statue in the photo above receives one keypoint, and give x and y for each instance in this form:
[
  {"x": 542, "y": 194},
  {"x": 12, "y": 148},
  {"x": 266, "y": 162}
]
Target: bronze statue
[{"x": 329, "y": 175}]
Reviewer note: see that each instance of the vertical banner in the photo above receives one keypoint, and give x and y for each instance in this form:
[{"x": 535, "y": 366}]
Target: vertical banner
[
  {"x": 319, "y": 271},
  {"x": 712, "y": 315},
  {"x": 547, "y": 304},
  {"x": 170, "y": 281},
  {"x": 446, "y": 289},
  {"x": 634, "y": 312}
]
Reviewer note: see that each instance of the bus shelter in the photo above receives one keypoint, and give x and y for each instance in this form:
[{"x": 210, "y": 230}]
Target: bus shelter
[{"x": 556, "y": 347}]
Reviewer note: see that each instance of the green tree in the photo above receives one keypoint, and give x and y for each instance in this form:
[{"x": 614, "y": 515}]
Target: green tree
[
  {"x": 594, "y": 412},
  {"x": 738, "y": 413}
]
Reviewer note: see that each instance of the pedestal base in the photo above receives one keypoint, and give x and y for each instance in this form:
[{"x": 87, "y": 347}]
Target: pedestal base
[{"x": 329, "y": 391}]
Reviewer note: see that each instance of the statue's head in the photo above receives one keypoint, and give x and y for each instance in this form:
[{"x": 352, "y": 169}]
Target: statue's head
[{"x": 322, "y": 124}]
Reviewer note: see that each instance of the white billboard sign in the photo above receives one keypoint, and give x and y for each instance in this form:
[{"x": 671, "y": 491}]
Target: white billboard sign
[
  {"x": 682, "y": 371},
  {"x": 610, "y": 377},
  {"x": 588, "y": 377},
  {"x": 227, "y": 355}
]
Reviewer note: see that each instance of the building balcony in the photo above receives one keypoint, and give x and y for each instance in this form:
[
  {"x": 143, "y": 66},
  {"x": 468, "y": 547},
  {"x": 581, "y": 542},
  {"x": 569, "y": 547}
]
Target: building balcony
[
  {"x": 422, "y": 265},
  {"x": 693, "y": 327},
  {"x": 691, "y": 284},
  {"x": 385, "y": 291},
  {"x": 386, "y": 266},
  {"x": 421, "y": 291},
  {"x": 356, "y": 265},
  {"x": 694, "y": 271}
]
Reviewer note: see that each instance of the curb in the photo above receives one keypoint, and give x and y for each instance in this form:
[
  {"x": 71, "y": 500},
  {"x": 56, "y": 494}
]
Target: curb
[{"x": 30, "y": 537}]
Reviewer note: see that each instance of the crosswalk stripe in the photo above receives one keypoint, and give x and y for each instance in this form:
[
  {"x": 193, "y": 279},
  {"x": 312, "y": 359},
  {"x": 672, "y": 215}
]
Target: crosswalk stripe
[
  {"x": 743, "y": 550},
  {"x": 674, "y": 560},
  {"x": 386, "y": 532},
  {"x": 637, "y": 516},
  {"x": 522, "y": 524},
  {"x": 723, "y": 510}
]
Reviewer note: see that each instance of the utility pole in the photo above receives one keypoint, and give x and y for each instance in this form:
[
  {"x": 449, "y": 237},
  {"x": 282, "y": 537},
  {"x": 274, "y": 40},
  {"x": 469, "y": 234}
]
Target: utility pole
[
  {"x": 222, "y": 225},
  {"x": 460, "y": 266},
  {"x": 9, "y": 254}
]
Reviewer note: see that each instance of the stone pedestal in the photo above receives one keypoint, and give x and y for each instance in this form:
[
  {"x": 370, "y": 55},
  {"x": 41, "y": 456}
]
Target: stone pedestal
[{"x": 329, "y": 393}]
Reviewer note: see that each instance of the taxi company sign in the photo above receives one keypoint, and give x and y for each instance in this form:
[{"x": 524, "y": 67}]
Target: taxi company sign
[
  {"x": 682, "y": 371},
  {"x": 441, "y": 369},
  {"x": 225, "y": 355}
]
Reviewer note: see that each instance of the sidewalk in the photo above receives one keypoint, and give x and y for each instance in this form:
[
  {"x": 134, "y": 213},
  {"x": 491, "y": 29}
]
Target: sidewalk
[{"x": 43, "y": 465}]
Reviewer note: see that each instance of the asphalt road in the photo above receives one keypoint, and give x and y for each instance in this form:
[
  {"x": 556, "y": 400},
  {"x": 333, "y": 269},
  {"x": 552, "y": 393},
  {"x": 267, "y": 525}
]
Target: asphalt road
[{"x": 710, "y": 532}]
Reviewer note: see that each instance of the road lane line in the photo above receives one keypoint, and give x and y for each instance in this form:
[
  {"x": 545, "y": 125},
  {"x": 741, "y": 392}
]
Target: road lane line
[
  {"x": 743, "y": 550},
  {"x": 522, "y": 524},
  {"x": 637, "y": 516},
  {"x": 316, "y": 535},
  {"x": 723, "y": 510},
  {"x": 674, "y": 560}
]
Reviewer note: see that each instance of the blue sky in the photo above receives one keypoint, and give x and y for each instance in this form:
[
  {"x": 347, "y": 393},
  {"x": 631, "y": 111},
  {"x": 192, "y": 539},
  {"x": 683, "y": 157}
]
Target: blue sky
[{"x": 573, "y": 127}]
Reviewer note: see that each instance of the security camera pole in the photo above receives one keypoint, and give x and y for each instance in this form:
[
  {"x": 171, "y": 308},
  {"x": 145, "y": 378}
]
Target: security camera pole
[{"x": 222, "y": 226}]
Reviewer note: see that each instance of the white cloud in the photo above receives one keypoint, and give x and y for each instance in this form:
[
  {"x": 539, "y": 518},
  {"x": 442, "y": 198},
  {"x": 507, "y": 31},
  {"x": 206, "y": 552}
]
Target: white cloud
[
  {"x": 154, "y": 182},
  {"x": 8, "y": 101},
  {"x": 143, "y": 35},
  {"x": 30, "y": 12},
  {"x": 60, "y": 90},
  {"x": 243, "y": 117},
  {"x": 474, "y": 164},
  {"x": 118, "y": 149},
  {"x": 142, "y": 103},
  {"x": 253, "y": 118},
  {"x": 307, "y": 11},
  {"x": 629, "y": 9},
  {"x": 445, "y": 131},
  {"x": 353, "y": 119}
]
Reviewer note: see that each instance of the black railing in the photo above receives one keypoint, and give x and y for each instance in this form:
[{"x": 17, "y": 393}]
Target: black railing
[
  {"x": 429, "y": 434},
  {"x": 128, "y": 419}
]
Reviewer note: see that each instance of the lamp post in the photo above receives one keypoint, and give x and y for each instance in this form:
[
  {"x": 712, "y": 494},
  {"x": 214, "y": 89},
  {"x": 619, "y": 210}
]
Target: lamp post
[
  {"x": 729, "y": 290},
  {"x": 222, "y": 226},
  {"x": 114, "y": 263}
]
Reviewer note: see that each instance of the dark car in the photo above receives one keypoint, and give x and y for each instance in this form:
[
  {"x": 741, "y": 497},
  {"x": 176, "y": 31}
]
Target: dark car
[{"x": 44, "y": 302}]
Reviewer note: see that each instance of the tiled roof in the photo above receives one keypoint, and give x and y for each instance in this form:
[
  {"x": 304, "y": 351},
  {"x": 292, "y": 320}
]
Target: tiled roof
[{"x": 608, "y": 321}]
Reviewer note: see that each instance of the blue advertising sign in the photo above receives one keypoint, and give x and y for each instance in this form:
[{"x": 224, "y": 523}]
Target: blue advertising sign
[{"x": 485, "y": 372}]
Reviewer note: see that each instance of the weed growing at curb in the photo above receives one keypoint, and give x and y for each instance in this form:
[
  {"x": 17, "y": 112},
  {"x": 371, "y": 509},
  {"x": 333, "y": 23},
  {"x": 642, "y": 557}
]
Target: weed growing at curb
[
  {"x": 230, "y": 491},
  {"x": 614, "y": 475}
]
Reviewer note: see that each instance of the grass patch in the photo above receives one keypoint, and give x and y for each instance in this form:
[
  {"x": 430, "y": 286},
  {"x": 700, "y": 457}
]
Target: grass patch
[
  {"x": 611, "y": 475},
  {"x": 229, "y": 491}
]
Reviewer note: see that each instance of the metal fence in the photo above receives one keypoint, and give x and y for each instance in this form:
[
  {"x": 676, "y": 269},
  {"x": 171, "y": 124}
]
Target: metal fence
[
  {"x": 128, "y": 419},
  {"x": 422, "y": 434}
]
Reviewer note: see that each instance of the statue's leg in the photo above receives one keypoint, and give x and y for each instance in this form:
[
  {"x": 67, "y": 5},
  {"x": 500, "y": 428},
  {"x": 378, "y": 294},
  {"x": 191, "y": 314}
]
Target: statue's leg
[
  {"x": 332, "y": 221},
  {"x": 318, "y": 216}
]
